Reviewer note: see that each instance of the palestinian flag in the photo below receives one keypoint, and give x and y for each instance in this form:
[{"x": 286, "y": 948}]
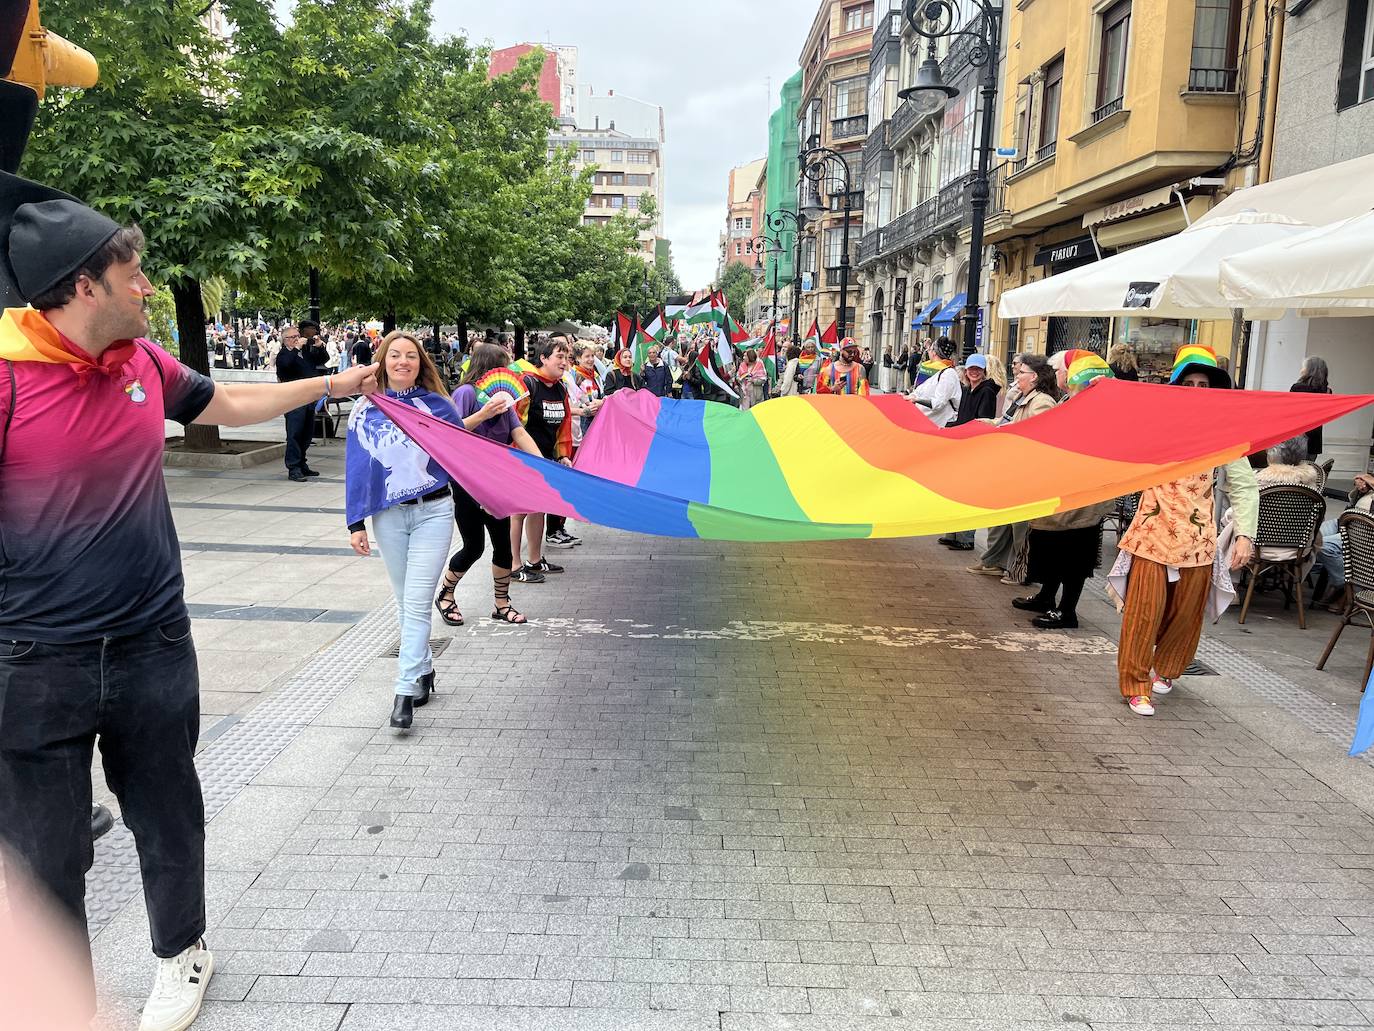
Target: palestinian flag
[
  {"x": 700, "y": 310},
  {"x": 708, "y": 369},
  {"x": 831, "y": 337},
  {"x": 624, "y": 331},
  {"x": 770, "y": 357},
  {"x": 813, "y": 335},
  {"x": 657, "y": 329},
  {"x": 738, "y": 337},
  {"x": 643, "y": 341}
]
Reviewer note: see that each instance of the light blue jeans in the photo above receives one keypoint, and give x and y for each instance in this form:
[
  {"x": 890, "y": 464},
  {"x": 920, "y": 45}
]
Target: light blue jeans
[
  {"x": 414, "y": 540},
  {"x": 1331, "y": 557}
]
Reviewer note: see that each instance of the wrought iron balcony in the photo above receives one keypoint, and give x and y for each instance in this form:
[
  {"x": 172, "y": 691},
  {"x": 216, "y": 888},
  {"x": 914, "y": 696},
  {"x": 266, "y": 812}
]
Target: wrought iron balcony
[
  {"x": 951, "y": 205},
  {"x": 902, "y": 124},
  {"x": 876, "y": 143},
  {"x": 1108, "y": 109},
  {"x": 848, "y": 128},
  {"x": 1212, "y": 80},
  {"x": 1047, "y": 151},
  {"x": 868, "y": 246}
]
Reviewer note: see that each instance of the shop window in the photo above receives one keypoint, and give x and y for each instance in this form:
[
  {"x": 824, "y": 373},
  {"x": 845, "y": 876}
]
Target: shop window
[
  {"x": 1111, "y": 64},
  {"x": 1216, "y": 45},
  {"x": 1356, "y": 82}
]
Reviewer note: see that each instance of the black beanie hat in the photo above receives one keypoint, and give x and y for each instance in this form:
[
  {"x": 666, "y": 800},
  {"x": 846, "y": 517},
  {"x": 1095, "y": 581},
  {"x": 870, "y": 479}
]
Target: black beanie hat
[{"x": 45, "y": 236}]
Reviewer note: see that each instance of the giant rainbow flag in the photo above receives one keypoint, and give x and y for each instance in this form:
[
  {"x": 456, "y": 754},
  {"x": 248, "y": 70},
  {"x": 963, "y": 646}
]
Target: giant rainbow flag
[{"x": 830, "y": 467}]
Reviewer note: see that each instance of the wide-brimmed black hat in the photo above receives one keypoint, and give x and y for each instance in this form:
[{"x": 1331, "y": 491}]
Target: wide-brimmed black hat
[
  {"x": 307, "y": 322},
  {"x": 45, "y": 236}
]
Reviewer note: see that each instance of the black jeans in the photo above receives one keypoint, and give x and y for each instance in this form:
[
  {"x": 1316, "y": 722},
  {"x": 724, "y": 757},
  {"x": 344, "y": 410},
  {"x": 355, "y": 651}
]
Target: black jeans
[
  {"x": 300, "y": 431},
  {"x": 141, "y": 695}
]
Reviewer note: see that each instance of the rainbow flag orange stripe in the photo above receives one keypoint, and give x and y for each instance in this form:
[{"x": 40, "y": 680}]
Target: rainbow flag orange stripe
[{"x": 830, "y": 467}]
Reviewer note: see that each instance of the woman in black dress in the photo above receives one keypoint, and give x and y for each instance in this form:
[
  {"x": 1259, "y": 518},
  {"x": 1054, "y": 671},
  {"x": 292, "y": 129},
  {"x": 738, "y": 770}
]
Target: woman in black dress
[{"x": 1312, "y": 380}]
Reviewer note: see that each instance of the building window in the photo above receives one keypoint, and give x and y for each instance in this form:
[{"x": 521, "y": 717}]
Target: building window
[
  {"x": 618, "y": 156},
  {"x": 847, "y": 98},
  {"x": 858, "y": 17},
  {"x": 808, "y": 254},
  {"x": 1356, "y": 81},
  {"x": 632, "y": 203},
  {"x": 1111, "y": 65},
  {"x": 640, "y": 157},
  {"x": 586, "y": 156},
  {"x": 1053, "y": 92},
  {"x": 616, "y": 201},
  {"x": 833, "y": 250},
  {"x": 1367, "y": 64},
  {"x": 1216, "y": 42}
]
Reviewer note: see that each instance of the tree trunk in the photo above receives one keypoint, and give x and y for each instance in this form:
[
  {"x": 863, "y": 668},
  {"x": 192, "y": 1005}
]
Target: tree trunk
[
  {"x": 389, "y": 321},
  {"x": 194, "y": 352},
  {"x": 463, "y": 333}
]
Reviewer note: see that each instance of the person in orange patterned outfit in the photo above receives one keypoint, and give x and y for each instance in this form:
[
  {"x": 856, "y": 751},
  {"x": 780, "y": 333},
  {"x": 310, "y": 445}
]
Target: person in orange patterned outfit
[{"x": 1172, "y": 544}]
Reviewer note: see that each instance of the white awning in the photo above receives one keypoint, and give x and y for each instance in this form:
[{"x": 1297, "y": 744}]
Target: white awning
[
  {"x": 1176, "y": 277},
  {"x": 1319, "y": 197},
  {"x": 1331, "y": 263},
  {"x": 1147, "y": 201}
]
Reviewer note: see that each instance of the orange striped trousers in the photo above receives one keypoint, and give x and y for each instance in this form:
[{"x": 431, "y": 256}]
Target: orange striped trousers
[{"x": 1161, "y": 623}]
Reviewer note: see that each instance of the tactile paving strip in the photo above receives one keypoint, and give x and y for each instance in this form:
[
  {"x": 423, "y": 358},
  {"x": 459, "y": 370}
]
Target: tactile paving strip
[{"x": 231, "y": 762}]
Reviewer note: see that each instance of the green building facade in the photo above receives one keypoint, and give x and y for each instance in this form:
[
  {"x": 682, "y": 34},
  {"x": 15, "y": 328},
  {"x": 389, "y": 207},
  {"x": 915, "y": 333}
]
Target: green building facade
[{"x": 783, "y": 169}]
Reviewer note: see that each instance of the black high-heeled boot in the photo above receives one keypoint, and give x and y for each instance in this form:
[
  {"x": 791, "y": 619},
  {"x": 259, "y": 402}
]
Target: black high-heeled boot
[
  {"x": 426, "y": 686},
  {"x": 403, "y": 712}
]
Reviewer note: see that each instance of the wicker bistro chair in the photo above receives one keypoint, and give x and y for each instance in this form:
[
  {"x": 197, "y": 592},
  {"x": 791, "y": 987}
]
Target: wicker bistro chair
[
  {"x": 1325, "y": 469},
  {"x": 1357, "y": 546},
  {"x": 1119, "y": 518},
  {"x": 1289, "y": 515}
]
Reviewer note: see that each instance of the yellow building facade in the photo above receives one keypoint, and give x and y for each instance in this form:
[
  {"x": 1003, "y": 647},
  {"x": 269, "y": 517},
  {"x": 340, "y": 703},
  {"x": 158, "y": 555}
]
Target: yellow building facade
[{"x": 1129, "y": 119}]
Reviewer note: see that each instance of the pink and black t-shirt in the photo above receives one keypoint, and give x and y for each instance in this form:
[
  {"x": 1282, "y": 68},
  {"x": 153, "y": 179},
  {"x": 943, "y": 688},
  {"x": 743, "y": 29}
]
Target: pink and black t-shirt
[{"x": 87, "y": 544}]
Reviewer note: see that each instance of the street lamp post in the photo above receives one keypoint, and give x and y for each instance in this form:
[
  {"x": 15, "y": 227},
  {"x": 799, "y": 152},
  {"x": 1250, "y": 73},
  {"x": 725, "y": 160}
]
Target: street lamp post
[
  {"x": 939, "y": 19},
  {"x": 816, "y": 161},
  {"x": 778, "y": 222},
  {"x": 770, "y": 246}
]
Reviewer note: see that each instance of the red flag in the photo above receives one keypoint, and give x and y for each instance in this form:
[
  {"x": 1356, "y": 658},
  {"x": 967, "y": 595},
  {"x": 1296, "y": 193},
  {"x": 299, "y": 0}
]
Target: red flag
[
  {"x": 624, "y": 331},
  {"x": 832, "y": 335}
]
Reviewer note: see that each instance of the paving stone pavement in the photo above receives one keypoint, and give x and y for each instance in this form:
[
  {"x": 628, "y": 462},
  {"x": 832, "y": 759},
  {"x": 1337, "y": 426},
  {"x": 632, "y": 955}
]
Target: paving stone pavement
[{"x": 803, "y": 787}]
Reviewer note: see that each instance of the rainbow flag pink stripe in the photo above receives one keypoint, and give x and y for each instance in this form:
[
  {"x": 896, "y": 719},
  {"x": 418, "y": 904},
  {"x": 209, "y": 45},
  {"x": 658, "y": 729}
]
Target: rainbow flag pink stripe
[{"x": 829, "y": 467}]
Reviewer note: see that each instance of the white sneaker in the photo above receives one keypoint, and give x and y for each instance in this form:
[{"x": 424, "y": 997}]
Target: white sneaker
[
  {"x": 1158, "y": 685},
  {"x": 178, "y": 990},
  {"x": 1140, "y": 705}
]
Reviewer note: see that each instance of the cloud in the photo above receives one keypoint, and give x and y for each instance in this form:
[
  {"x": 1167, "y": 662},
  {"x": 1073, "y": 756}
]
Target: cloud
[{"x": 709, "y": 65}]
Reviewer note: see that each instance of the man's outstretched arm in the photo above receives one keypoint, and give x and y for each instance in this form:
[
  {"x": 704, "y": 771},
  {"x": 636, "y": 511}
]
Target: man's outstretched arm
[{"x": 243, "y": 404}]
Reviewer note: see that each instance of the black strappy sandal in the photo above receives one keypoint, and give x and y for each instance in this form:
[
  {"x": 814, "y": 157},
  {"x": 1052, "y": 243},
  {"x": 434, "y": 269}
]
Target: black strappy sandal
[
  {"x": 508, "y": 614},
  {"x": 448, "y": 606}
]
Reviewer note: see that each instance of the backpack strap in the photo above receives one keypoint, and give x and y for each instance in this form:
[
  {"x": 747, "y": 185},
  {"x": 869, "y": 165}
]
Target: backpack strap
[
  {"x": 157, "y": 363},
  {"x": 9, "y": 409}
]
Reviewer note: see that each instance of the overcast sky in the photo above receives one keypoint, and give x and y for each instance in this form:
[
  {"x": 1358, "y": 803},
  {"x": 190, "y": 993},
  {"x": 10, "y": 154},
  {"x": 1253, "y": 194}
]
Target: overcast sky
[{"x": 708, "y": 63}]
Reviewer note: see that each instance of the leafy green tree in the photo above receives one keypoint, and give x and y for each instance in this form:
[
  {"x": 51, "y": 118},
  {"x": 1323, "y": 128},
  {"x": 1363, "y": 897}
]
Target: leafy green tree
[
  {"x": 737, "y": 282},
  {"x": 202, "y": 142}
]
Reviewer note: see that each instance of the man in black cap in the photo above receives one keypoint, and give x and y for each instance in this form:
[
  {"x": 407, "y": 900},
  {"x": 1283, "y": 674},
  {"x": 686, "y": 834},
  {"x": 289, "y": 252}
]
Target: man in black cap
[{"x": 95, "y": 640}]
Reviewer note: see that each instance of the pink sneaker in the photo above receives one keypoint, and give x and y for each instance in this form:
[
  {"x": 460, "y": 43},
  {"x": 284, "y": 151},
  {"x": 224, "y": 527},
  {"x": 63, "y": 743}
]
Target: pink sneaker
[{"x": 1140, "y": 705}]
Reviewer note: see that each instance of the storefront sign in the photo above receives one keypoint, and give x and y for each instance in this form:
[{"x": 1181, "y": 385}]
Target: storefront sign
[
  {"x": 978, "y": 333},
  {"x": 1071, "y": 251},
  {"x": 1140, "y": 295}
]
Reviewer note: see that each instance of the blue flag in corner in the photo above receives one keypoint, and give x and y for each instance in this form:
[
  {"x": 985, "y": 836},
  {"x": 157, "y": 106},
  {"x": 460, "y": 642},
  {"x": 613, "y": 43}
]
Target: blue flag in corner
[{"x": 1364, "y": 724}]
